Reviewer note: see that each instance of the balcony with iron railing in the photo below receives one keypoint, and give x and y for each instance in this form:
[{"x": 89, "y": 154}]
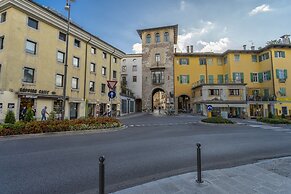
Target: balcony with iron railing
[
  {"x": 258, "y": 98},
  {"x": 218, "y": 82}
]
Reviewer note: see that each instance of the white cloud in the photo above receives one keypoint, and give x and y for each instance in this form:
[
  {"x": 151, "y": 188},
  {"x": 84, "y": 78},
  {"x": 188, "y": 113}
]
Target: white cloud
[
  {"x": 260, "y": 9},
  {"x": 182, "y": 5},
  {"x": 137, "y": 48},
  {"x": 219, "y": 46}
]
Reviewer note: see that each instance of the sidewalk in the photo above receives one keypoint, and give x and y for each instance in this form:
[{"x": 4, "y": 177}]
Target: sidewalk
[{"x": 265, "y": 177}]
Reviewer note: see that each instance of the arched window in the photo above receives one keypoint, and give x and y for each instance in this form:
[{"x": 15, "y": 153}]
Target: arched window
[
  {"x": 148, "y": 39},
  {"x": 158, "y": 38},
  {"x": 166, "y": 37}
]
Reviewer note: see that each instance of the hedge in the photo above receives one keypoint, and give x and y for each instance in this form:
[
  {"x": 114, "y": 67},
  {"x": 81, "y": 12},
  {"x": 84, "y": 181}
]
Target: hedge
[
  {"x": 274, "y": 120},
  {"x": 218, "y": 120},
  {"x": 58, "y": 126}
]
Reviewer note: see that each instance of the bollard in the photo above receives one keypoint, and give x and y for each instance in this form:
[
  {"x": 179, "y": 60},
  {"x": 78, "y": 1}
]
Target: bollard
[
  {"x": 101, "y": 175},
  {"x": 199, "y": 179}
]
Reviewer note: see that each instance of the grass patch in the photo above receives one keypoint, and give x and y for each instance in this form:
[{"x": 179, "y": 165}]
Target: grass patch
[
  {"x": 274, "y": 120},
  {"x": 218, "y": 120},
  {"x": 34, "y": 127}
]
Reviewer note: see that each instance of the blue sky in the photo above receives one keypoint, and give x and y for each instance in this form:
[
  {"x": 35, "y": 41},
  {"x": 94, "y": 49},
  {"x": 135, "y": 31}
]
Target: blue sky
[{"x": 209, "y": 25}]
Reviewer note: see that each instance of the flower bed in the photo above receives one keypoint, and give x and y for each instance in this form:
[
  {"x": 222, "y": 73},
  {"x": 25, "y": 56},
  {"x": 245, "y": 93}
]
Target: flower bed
[
  {"x": 218, "y": 120},
  {"x": 58, "y": 126}
]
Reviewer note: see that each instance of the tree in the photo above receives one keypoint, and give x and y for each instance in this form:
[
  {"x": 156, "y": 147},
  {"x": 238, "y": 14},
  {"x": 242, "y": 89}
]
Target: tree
[
  {"x": 29, "y": 115},
  {"x": 10, "y": 117}
]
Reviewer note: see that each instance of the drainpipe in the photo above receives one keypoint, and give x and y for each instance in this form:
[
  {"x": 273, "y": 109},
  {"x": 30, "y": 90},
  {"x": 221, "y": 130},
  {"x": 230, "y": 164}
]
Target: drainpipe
[
  {"x": 273, "y": 77},
  {"x": 110, "y": 79},
  {"x": 85, "y": 78},
  {"x": 206, "y": 71}
]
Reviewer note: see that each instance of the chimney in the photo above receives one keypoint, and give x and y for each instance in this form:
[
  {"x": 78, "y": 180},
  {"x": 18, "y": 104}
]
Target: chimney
[
  {"x": 252, "y": 47},
  {"x": 285, "y": 39},
  {"x": 175, "y": 50},
  {"x": 191, "y": 48},
  {"x": 245, "y": 47},
  {"x": 187, "y": 49}
]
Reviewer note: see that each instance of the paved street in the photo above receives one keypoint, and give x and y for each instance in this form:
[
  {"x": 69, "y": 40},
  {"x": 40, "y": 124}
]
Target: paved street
[{"x": 149, "y": 148}]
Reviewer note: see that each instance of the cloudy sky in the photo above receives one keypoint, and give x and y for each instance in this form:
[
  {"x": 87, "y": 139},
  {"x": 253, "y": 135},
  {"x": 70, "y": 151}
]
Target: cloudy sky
[{"x": 209, "y": 25}]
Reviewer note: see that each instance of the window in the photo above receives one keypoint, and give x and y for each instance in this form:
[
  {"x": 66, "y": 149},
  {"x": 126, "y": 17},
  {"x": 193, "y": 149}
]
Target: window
[
  {"x": 114, "y": 59},
  {"x": 236, "y": 57},
  {"x": 103, "y": 88},
  {"x": 210, "y": 79},
  {"x": 77, "y": 43},
  {"x": 184, "y": 61},
  {"x": 103, "y": 71},
  {"x": 224, "y": 60},
  {"x": 202, "y": 78},
  {"x": 267, "y": 75},
  {"x": 76, "y": 61},
  {"x": 114, "y": 75},
  {"x": 93, "y": 50},
  {"x": 254, "y": 77},
  {"x": 166, "y": 37},
  {"x": 62, "y": 36},
  {"x": 93, "y": 67},
  {"x": 134, "y": 68},
  {"x": 282, "y": 91},
  {"x": 214, "y": 92},
  {"x": 75, "y": 83},
  {"x": 184, "y": 79},
  {"x": 28, "y": 75},
  {"x": 219, "y": 61},
  {"x": 263, "y": 57},
  {"x": 104, "y": 55},
  {"x": 238, "y": 77},
  {"x": 158, "y": 39},
  {"x": 1, "y": 42},
  {"x": 209, "y": 61},
  {"x": 59, "y": 80},
  {"x": 30, "y": 47},
  {"x": 123, "y": 68},
  {"x": 281, "y": 74},
  {"x": 220, "y": 79},
  {"x": 158, "y": 57},
  {"x": 134, "y": 78},
  {"x": 254, "y": 58},
  {"x": 3, "y": 17},
  {"x": 234, "y": 92},
  {"x": 148, "y": 39},
  {"x": 279, "y": 54},
  {"x": 61, "y": 57},
  {"x": 92, "y": 86},
  {"x": 157, "y": 77},
  {"x": 202, "y": 61},
  {"x": 32, "y": 23}
]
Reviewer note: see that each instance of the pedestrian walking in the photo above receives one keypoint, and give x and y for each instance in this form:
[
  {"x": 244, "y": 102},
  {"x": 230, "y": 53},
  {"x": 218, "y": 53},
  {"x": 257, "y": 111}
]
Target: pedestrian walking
[{"x": 44, "y": 113}]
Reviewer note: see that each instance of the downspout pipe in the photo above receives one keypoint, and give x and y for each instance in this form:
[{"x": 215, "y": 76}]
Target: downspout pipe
[{"x": 85, "y": 74}]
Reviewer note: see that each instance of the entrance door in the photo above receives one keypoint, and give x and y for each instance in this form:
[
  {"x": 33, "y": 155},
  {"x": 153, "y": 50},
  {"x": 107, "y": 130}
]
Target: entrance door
[
  {"x": 25, "y": 103},
  {"x": 284, "y": 110},
  {"x": 73, "y": 110}
]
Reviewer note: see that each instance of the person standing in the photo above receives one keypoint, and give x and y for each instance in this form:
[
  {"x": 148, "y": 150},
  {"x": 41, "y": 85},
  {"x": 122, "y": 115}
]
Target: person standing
[{"x": 43, "y": 113}]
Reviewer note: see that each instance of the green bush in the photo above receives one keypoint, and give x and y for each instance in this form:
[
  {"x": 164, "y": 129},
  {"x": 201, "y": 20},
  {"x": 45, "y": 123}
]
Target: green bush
[
  {"x": 274, "y": 120},
  {"x": 29, "y": 115},
  {"x": 270, "y": 115},
  {"x": 52, "y": 116},
  {"x": 10, "y": 117},
  {"x": 218, "y": 120},
  {"x": 283, "y": 116}
]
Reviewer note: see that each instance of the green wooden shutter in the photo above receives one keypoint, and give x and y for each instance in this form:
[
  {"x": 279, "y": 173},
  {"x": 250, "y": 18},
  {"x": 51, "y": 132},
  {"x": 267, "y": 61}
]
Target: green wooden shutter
[
  {"x": 285, "y": 74},
  {"x": 181, "y": 79},
  {"x": 276, "y": 54},
  {"x": 268, "y": 75},
  {"x": 283, "y": 54},
  {"x": 233, "y": 76},
  {"x": 266, "y": 92},
  {"x": 202, "y": 78},
  {"x": 261, "y": 77},
  {"x": 242, "y": 77},
  {"x": 220, "y": 79},
  {"x": 188, "y": 79},
  {"x": 252, "y": 77},
  {"x": 226, "y": 78},
  {"x": 277, "y": 73},
  {"x": 210, "y": 77}
]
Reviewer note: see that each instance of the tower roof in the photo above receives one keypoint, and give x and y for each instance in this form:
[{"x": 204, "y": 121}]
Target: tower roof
[{"x": 175, "y": 27}]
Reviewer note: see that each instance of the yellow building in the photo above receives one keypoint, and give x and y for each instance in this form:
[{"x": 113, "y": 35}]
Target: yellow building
[
  {"x": 237, "y": 82},
  {"x": 32, "y": 58}
]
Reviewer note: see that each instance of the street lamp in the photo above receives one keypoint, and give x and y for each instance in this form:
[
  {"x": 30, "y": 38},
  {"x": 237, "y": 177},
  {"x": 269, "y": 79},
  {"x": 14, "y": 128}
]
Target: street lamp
[{"x": 68, "y": 8}]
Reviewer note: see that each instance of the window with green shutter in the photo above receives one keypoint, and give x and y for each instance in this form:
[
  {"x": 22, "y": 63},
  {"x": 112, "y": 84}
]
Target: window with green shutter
[
  {"x": 220, "y": 79},
  {"x": 252, "y": 77},
  {"x": 282, "y": 91},
  {"x": 266, "y": 92},
  {"x": 211, "y": 79},
  {"x": 226, "y": 78},
  {"x": 261, "y": 77},
  {"x": 285, "y": 74},
  {"x": 202, "y": 78}
]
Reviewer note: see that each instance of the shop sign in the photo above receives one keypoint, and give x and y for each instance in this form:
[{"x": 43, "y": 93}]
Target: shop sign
[
  {"x": 11, "y": 106},
  {"x": 33, "y": 91}
]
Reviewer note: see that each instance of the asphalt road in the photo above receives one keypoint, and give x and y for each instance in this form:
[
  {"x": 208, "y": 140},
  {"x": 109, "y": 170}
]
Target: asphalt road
[{"x": 149, "y": 148}]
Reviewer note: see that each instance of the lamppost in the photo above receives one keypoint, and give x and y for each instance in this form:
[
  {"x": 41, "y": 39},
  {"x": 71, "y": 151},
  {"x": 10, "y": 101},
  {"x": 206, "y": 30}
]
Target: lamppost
[{"x": 68, "y": 8}]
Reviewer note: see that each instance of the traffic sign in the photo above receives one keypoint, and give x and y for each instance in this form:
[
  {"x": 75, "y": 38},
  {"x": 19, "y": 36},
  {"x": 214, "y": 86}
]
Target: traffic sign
[
  {"x": 111, "y": 94},
  {"x": 111, "y": 84},
  {"x": 209, "y": 107}
]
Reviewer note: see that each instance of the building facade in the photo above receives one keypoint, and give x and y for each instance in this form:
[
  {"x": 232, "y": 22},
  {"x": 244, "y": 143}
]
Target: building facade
[
  {"x": 131, "y": 78},
  {"x": 32, "y": 57},
  {"x": 157, "y": 66}
]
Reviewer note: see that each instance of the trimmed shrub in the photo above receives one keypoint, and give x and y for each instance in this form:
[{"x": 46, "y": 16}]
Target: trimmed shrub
[
  {"x": 218, "y": 120},
  {"x": 52, "y": 116},
  {"x": 10, "y": 117},
  {"x": 29, "y": 115},
  {"x": 274, "y": 120}
]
